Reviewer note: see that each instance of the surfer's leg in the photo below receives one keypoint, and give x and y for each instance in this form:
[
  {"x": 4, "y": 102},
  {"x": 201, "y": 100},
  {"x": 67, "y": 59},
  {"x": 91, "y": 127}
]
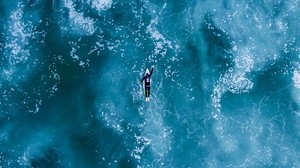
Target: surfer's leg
[{"x": 147, "y": 91}]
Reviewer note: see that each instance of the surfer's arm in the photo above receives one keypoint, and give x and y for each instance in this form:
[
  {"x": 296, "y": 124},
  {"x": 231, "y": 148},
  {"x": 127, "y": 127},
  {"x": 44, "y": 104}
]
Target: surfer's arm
[
  {"x": 151, "y": 71},
  {"x": 143, "y": 78}
]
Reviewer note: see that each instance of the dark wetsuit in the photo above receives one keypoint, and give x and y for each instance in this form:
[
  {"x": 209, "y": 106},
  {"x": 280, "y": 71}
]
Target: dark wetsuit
[{"x": 147, "y": 83}]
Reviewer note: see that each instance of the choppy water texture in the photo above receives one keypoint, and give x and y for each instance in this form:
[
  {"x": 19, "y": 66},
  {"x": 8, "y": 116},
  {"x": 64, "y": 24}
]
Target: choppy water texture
[{"x": 225, "y": 91}]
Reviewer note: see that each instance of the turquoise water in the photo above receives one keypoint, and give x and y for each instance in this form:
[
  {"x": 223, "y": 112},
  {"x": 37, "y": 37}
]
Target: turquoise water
[{"x": 225, "y": 87}]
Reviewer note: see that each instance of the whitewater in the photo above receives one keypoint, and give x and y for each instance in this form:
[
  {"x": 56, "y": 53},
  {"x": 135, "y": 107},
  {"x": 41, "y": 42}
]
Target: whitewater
[{"x": 225, "y": 88}]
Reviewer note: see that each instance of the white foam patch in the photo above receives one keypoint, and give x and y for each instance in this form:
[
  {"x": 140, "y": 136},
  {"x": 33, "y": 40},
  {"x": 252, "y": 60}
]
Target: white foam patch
[
  {"x": 16, "y": 39},
  {"x": 80, "y": 24},
  {"x": 158, "y": 134},
  {"x": 19, "y": 59},
  {"x": 296, "y": 95},
  {"x": 73, "y": 53},
  {"x": 161, "y": 43},
  {"x": 235, "y": 83},
  {"x": 24, "y": 160},
  {"x": 110, "y": 116},
  {"x": 141, "y": 144},
  {"x": 101, "y": 4},
  {"x": 54, "y": 76},
  {"x": 243, "y": 60},
  {"x": 234, "y": 79},
  {"x": 38, "y": 103},
  {"x": 296, "y": 79}
]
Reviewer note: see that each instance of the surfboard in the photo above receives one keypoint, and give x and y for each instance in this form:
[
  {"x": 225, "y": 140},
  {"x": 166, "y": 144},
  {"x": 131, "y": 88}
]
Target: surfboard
[{"x": 144, "y": 89}]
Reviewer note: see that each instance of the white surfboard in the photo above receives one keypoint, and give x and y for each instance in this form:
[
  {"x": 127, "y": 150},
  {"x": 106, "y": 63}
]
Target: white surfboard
[{"x": 144, "y": 89}]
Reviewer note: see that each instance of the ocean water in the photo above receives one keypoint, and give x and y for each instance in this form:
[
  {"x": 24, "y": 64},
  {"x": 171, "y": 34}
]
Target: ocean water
[{"x": 225, "y": 87}]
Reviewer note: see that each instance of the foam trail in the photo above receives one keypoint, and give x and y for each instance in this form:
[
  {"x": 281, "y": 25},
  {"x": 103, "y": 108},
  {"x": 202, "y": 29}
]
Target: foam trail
[
  {"x": 154, "y": 132},
  {"x": 16, "y": 45}
]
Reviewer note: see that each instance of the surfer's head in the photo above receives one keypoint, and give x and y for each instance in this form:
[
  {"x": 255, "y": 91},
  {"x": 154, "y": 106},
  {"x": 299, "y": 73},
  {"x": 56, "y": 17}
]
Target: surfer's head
[{"x": 147, "y": 72}]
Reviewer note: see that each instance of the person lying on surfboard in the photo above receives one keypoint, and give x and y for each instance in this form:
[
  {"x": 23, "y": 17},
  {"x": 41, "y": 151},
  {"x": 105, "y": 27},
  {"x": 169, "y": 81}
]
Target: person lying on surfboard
[{"x": 147, "y": 83}]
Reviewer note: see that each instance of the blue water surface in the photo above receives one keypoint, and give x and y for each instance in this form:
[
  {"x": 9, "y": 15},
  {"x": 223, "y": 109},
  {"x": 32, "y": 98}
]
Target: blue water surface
[{"x": 225, "y": 87}]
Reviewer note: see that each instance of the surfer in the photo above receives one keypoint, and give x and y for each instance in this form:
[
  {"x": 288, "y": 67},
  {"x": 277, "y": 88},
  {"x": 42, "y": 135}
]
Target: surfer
[{"x": 147, "y": 83}]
